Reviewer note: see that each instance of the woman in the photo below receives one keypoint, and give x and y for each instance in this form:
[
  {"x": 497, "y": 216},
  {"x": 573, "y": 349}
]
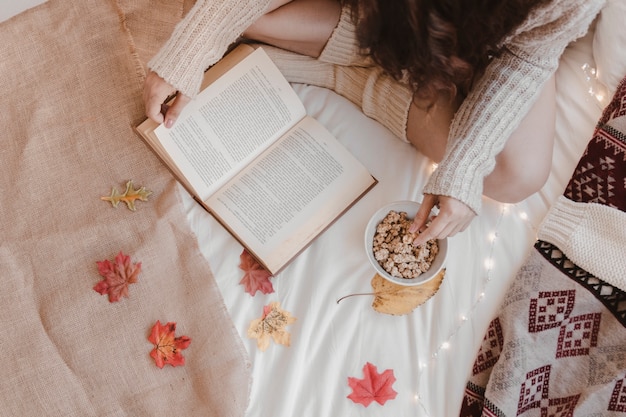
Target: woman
[{"x": 469, "y": 83}]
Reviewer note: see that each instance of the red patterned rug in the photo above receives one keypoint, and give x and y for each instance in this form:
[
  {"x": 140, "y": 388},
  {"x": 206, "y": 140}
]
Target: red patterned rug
[{"x": 558, "y": 344}]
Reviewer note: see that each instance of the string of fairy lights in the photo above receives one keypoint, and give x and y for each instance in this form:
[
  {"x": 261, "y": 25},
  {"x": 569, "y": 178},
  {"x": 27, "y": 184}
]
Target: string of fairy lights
[
  {"x": 493, "y": 238},
  {"x": 596, "y": 90}
]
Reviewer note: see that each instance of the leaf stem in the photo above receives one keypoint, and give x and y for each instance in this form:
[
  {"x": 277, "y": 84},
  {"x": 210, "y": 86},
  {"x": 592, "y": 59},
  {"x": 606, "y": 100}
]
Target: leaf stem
[{"x": 352, "y": 295}]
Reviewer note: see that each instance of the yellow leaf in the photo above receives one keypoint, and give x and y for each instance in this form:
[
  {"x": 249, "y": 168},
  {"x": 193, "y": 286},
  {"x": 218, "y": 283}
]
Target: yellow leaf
[
  {"x": 271, "y": 325},
  {"x": 397, "y": 299},
  {"x": 129, "y": 197}
]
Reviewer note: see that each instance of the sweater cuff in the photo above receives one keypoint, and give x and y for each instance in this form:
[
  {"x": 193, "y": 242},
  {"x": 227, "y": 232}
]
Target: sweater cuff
[
  {"x": 201, "y": 39},
  {"x": 183, "y": 79},
  {"x": 179, "y": 61},
  {"x": 562, "y": 220},
  {"x": 383, "y": 99},
  {"x": 591, "y": 235},
  {"x": 342, "y": 47},
  {"x": 466, "y": 187},
  {"x": 298, "y": 68}
]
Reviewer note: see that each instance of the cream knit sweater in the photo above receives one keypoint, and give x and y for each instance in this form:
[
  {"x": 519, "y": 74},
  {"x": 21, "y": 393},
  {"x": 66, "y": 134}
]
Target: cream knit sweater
[
  {"x": 201, "y": 39},
  {"x": 480, "y": 128},
  {"x": 485, "y": 120},
  {"x": 503, "y": 96}
]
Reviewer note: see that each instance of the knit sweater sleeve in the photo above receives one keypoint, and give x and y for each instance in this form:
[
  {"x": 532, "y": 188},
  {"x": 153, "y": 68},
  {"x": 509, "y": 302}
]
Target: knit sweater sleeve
[
  {"x": 593, "y": 236},
  {"x": 201, "y": 39},
  {"x": 503, "y": 96}
]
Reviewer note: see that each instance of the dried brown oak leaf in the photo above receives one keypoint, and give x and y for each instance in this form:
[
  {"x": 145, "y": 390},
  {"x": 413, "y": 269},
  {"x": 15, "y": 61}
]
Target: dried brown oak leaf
[
  {"x": 129, "y": 197},
  {"x": 118, "y": 275},
  {"x": 271, "y": 325},
  {"x": 255, "y": 277},
  {"x": 167, "y": 347},
  {"x": 373, "y": 387},
  {"x": 397, "y": 299}
]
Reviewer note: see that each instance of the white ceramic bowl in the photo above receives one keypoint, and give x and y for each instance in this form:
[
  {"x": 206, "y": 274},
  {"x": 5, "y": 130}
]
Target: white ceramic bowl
[{"x": 410, "y": 207}]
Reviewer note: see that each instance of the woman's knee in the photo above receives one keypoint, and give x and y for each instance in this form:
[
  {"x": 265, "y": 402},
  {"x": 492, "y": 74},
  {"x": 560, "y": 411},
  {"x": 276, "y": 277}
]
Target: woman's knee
[
  {"x": 515, "y": 179},
  {"x": 523, "y": 166}
]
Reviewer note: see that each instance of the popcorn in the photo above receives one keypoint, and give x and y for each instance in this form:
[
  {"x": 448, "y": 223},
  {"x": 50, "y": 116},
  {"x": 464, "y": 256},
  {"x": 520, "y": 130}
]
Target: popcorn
[{"x": 393, "y": 247}]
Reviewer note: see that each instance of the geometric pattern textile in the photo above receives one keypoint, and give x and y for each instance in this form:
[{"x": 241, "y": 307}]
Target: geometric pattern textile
[
  {"x": 490, "y": 350},
  {"x": 613, "y": 298},
  {"x": 557, "y": 346},
  {"x": 573, "y": 364},
  {"x": 600, "y": 173}
]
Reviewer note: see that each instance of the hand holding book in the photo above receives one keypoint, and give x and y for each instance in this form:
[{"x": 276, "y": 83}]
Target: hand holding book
[
  {"x": 156, "y": 92},
  {"x": 249, "y": 154}
]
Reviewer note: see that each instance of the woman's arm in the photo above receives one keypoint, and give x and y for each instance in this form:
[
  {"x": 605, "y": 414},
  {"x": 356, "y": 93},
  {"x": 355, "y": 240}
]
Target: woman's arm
[
  {"x": 501, "y": 98},
  {"x": 493, "y": 110},
  {"x": 201, "y": 39},
  {"x": 197, "y": 42}
]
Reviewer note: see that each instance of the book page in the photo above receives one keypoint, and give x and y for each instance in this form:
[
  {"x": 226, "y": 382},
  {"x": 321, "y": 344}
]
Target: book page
[
  {"x": 231, "y": 122},
  {"x": 292, "y": 192}
]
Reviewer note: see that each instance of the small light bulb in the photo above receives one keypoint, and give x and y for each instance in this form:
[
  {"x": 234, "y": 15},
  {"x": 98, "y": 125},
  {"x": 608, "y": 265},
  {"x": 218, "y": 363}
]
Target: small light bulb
[{"x": 489, "y": 263}]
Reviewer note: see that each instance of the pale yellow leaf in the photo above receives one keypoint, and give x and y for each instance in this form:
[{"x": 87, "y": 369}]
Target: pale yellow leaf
[{"x": 397, "y": 299}]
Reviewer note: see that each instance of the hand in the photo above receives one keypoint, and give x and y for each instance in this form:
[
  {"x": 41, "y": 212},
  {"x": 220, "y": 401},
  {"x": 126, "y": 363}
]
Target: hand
[
  {"x": 454, "y": 216},
  {"x": 155, "y": 91}
]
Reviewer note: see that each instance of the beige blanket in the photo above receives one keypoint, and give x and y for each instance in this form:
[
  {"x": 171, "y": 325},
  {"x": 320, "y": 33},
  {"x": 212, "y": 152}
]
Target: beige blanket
[{"x": 71, "y": 74}]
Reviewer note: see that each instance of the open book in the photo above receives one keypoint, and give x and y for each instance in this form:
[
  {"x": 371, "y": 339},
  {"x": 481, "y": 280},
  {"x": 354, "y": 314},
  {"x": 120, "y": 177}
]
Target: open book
[{"x": 245, "y": 149}]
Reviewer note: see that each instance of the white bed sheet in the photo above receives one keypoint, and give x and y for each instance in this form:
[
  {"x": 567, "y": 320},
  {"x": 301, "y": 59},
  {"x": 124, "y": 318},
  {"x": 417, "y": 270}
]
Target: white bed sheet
[{"x": 430, "y": 350}]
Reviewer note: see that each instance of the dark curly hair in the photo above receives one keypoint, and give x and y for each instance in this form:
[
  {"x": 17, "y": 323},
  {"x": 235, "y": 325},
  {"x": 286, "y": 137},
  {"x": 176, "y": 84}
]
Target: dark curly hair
[{"x": 436, "y": 45}]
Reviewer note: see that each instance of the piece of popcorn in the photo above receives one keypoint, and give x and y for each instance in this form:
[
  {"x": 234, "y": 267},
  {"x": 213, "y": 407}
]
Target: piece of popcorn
[{"x": 381, "y": 255}]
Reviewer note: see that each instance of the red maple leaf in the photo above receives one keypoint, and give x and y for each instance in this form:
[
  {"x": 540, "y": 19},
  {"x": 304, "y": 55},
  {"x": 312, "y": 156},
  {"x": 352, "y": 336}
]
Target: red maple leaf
[
  {"x": 117, "y": 276},
  {"x": 255, "y": 277},
  {"x": 373, "y": 386},
  {"x": 167, "y": 347}
]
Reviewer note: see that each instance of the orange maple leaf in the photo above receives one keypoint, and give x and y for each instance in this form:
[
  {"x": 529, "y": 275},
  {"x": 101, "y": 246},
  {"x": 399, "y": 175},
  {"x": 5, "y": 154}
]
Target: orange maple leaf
[
  {"x": 118, "y": 275},
  {"x": 271, "y": 325},
  {"x": 255, "y": 278},
  {"x": 373, "y": 386},
  {"x": 167, "y": 348}
]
